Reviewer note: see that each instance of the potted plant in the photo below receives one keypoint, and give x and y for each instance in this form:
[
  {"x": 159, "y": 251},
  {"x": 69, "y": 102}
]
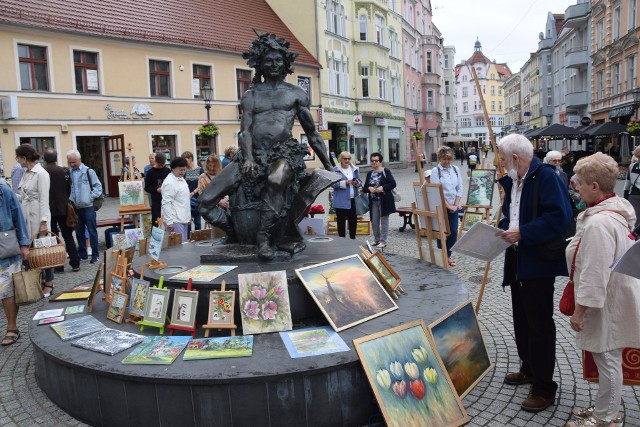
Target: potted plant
[
  {"x": 208, "y": 130},
  {"x": 418, "y": 135}
]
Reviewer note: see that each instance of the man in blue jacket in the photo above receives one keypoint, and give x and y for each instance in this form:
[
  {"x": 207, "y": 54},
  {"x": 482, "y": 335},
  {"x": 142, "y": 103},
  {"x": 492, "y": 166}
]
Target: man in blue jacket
[
  {"x": 85, "y": 187},
  {"x": 531, "y": 276}
]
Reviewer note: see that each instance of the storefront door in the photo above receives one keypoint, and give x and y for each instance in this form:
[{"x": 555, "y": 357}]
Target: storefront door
[{"x": 114, "y": 149}]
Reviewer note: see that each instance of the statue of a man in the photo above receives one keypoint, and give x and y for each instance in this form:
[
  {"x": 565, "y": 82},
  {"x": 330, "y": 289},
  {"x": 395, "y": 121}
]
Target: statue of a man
[{"x": 265, "y": 174}]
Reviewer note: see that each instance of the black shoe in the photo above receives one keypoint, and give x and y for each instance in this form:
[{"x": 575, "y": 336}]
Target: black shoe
[
  {"x": 517, "y": 378},
  {"x": 85, "y": 259},
  {"x": 94, "y": 260},
  {"x": 59, "y": 269},
  {"x": 76, "y": 268}
]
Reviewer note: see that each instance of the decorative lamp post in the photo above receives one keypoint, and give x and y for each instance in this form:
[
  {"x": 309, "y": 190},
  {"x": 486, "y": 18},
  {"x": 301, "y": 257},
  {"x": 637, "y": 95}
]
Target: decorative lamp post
[
  {"x": 636, "y": 99},
  {"x": 549, "y": 117},
  {"x": 207, "y": 95},
  {"x": 416, "y": 117}
]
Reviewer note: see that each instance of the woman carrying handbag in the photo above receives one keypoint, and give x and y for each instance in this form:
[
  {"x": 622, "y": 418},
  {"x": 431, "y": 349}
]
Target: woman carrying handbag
[
  {"x": 13, "y": 232},
  {"x": 345, "y": 192},
  {"x": 380, "y": 184}
]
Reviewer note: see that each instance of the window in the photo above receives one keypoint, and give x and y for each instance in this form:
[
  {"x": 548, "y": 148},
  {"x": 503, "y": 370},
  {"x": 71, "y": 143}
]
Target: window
[
  {"x": 493, "y": 90},
  {"x": 363, "y": 28},
  {"x": 500, "y": 92},
  {"x": 501, "y": 121},
  {"x": 201, "y": 75},
  {"x": 414, "y": 104},
  {"x": 493, "y": 105},
  {"x": 243, "y": 81},
  {"x": 382, "y": 83},
  {"x": 476, "y": 105},
  {"x": 40, "y": 144},
  {"x": 447, "y": 113},
  {"x": 480, "y": 122},
  {"x": 364, "y": 73},
  {"x": 447, "y": 88},
  {"x": 338, "y": 77},
  {"x": 549, "y": 96},
  {"x": 34, "y": 74},
  {"x": 631, "y": 72},
  {"x": 465, "y": 122},
  {"x": 165, "y": 144},
  {"x": 633, "y": 8},
  {"x": 335, "y": 18},
  {"x": 484, "y": 90},
  {"x": 599, "y": 85},
  {"x": 616, "y": 22},
  {"x": 393, "y": 42},
  {"x": 615, "y": 78},
  {"x": 85, "y": 67},
  {"x": 600, "y": 34},
  {"x": 499, "y": 105},
  {"x": 431, "y": 106},
  {"x": 395, "y": 90},
  {"x": 429, "y": 64},
  {"x": 465, "y": 91},
  {"x": 159, "y": 78},
  {"x": 380, "y": 29},
  {"x": 549, "y": 65},
  {"x": 464, "y": 78},
  {"x": 446, "y": 60},
  {"x": 465, "y": 107}
]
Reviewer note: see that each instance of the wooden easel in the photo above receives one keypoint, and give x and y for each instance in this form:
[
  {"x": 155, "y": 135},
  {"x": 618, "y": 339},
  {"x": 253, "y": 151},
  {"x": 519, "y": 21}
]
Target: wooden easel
[
  {"x": 191, "y": 329},
  {"x": 430, "y": 234},
  {"x": 142, "y": 323},
  {"x": 231, "y": 325},
  {"x": 134, "y": 318},
  {"x": 134, "y": 211},
  {"x": 488, "y": 264},
  {"x": 414, "y": 142}
]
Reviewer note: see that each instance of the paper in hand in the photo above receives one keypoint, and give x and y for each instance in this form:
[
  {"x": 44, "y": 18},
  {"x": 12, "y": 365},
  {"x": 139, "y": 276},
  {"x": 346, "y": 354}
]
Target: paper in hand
[{"x": 481, "y": 242}]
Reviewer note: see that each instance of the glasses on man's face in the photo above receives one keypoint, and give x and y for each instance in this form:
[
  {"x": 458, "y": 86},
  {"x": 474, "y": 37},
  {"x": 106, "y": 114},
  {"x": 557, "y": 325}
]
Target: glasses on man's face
[
  {"x": 375, "y": 161},
  {"x": 555, "y": 161}
]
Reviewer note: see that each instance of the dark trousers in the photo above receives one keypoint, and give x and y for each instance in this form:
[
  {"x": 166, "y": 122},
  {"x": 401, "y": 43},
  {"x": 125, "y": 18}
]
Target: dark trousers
[
  {"x": 60, "y": 223},
  {"x": 535, "y": 331},
  {"x": 156, "y": 211},
  {"x": 343, "y": 215},
  {"x": 453, "y": 235}
]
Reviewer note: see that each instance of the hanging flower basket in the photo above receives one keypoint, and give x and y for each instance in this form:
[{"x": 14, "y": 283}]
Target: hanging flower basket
[
  {"x": 634, "y": 127},
  {"x": 208, "y": 130},
  {"x": 418, "y": 135}
]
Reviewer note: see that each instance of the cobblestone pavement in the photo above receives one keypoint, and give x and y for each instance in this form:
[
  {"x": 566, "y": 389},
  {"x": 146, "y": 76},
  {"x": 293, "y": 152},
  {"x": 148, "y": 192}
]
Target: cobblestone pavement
[{"x": 490, "y": 403}]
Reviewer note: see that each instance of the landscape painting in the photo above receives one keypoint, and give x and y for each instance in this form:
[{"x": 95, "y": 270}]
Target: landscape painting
[
  {"x": 264, "y": 302},
  {"x": 460, "y": 344},
  {"x": 219, "y": 348},
  {"x": 77, "y": 327},
  {"x": 481, "y": 187},
  {"x": 408, "y": 378},
  {"x": 313, "y": 342},
  {"x": 346, "y": 291},
  {"x": 158, "y": 350}
]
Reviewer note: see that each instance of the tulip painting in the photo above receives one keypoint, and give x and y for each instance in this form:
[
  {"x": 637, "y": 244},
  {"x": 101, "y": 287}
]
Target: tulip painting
[
  {"x": 264, "y": 302},
  {"x": 408, "y": 378},
  {"x": 220, "y": 307}
]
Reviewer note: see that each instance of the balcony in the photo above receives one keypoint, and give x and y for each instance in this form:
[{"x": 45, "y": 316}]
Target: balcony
[
  {"x": 576, "y": 99},
  {"x": 576, "y": 15},
  {"x": 545, "y": 44},
  {"x": 577, "y": 57}
]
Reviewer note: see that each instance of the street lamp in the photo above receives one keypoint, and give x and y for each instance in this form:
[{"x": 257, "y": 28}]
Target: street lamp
[
  {"x": 207, "y": 95},
  {"x": 416, "y": 117},
  {"x": 636, "y": 99},
  {"x": 549, "y": 117}
]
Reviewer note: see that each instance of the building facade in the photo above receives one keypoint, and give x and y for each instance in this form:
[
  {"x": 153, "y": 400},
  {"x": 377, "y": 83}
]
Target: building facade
[
  {"x": 512, "y": 88},
  {"x": 449, "y": 91}
]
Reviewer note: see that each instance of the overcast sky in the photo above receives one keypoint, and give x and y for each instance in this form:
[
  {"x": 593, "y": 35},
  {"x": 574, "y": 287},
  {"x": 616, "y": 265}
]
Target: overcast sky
[{"x": 507, "y": 29}]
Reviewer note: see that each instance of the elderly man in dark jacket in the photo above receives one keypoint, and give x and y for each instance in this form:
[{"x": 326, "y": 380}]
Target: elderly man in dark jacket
[
  {"x": 531, "y": 186},
  {"x": 59, "y": 192}
]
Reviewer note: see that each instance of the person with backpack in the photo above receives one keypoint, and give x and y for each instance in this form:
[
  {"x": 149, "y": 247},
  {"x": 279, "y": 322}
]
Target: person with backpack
[{"x": 472, "y": 159}]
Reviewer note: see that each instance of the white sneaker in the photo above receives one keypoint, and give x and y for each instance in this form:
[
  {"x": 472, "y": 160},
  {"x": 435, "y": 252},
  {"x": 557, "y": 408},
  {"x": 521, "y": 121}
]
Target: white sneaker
[{"x": 381, "y": 245}]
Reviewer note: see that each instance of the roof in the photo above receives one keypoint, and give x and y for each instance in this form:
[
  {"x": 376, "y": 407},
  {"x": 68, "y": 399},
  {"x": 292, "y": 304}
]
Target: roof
[
  {"x": 503, "y": 70},
  {"x": 559, "y": 20},
  {"x": 174, "y": 22},
  {"x": 478, "y": 56}
]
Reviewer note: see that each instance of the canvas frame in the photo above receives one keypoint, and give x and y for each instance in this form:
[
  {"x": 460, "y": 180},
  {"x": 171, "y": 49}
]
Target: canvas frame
[
  {"x": 370, "y": 372},
  {"x": 135, "y": 285},
  {"x": 213, "y": 301},
  {"x": 125, "y": 200},
  {"x": 444, "y": 319},
  {"x": 470, "y": 218},
  {"x": 430, "y": 197},
  {"x": 95, "y": 287},
  {"x": 109, "y": 288},
  {"x": 267, "y": 281},
  {"x": 379, "y": 264},
  {"x": 118, "y": 302},
  {"x": 162, "y": 293},
  {"x": 321, "y": 267},
  {"x": 487, "y": 176},
  {"x": 193, "y": 297}
]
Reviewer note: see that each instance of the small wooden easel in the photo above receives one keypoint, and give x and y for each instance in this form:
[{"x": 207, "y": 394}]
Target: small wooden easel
[
  {"x": 191, "y": 329},
  {"x": 134, "y": 318},
  {"x": 220, "y": 326},
  {"x": 136, "y": 210},
  {"x": 395, "y": 292},
  {"x": 142, "y": 323}
]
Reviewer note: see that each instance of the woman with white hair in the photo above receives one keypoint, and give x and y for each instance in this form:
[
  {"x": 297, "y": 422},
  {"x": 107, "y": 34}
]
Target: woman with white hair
[
  {"x": 632, "y": 184},
  {"x": 554, "y": 158},
  {"x": 607, "y": 304}
]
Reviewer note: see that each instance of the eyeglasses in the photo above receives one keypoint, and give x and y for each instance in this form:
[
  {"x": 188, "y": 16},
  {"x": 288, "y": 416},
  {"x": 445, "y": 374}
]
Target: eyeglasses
[
  {"x": 346, "y": 158},
  {"x": 375, "y": 161},
  {"x": 555, "y": 161}
]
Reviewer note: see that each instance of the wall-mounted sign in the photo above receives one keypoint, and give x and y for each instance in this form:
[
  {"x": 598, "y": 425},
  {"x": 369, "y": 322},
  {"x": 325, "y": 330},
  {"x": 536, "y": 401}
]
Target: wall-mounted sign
[
  {"x": 381, "y": 121},
  {"x": 357, "y": 119},
  {"x": 9, "y": 107},
  {"x": 326, "y": 134},
  {"x": 138, "y": 111}
]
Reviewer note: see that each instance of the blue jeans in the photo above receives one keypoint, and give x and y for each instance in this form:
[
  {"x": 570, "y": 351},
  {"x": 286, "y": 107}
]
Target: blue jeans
[
  {"x": 453, "y": 227},
  {"x": 87, "y": 216}
]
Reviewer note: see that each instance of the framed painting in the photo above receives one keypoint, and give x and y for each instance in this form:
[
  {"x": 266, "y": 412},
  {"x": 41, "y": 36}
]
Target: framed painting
[
  {"x": 381, "y": 267},
  {"x": 408, "y": 378},
  {"x": 183, "y": 312},
  {"x": 264, "y": 302},
  {"x": 139, "y": 289},
  {"x": 132, "y": 236},
  {"x": 71, "y": 296},
  {"x": 470, "y": 218},
  {"x": 117, "y": 307},
  {"x": 119, "y": 241},
  {"x": 221, "y": 304},
  {"x": 115, "y": 284},
  {"x": 155, "y": 307},
  {"x": 346, "y": 291},
  {"x": 460, "y": 344},
  {"x": 155, "y": 243},
  {"x": 481, "y": 187},
  {"x": 363, "y": 228},
  {"x": 146, "y": 225},
  {"x": 95, "y": 288},
  {"x": 131, "y": 193}
]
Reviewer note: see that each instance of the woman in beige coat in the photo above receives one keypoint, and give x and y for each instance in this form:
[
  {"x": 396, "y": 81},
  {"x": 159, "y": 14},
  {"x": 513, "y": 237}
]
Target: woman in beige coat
[
  {"x": 607, "y": 314},
  {"x": 33, "y": 194}
]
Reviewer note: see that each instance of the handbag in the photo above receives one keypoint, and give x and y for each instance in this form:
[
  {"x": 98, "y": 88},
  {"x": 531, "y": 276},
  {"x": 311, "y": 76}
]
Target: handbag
[
  {"x": 27, "y": 286},
  {"x": 72, "y": 216},
  {"x": 362, "y": 203},
  {"x": 394, "y": 192},
  {"x": 98, "y": 201},
  {"x": 47, "y": 256},
  {"x": 568, "y": 299},
  {"x": 9, "y": 246}
]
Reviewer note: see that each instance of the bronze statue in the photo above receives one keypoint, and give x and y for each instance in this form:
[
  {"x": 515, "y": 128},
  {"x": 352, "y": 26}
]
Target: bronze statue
[{"x": 266, "y": 174}]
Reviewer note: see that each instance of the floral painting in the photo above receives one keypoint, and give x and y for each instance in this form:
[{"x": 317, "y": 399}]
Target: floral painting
[
  {"x": 131, "y": 193},
  {"x": 146, "y": 225},
  {"x": 408, "y": 378},
  {"x": 119, "y": 241},
  {"x": 346, "y": 291},
  {"x": 221, "y": 307},
  {"x": 264, "y": 302},
  {"x": 461, "y": 346},
  {"x": 133, "y": 235}
]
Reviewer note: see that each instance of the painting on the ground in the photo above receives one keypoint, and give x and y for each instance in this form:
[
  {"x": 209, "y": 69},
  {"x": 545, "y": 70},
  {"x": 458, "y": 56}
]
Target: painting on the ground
[
  {"x": 346, "y": 291},
  {"x": 408, "y": 378},
  {"x": 131, "y": 193},
  {"x": 313, "y": 342},
  {"x": 108, "y": 341},
  {"x": 159, "y": 350},
  {"x": 461, "y": 347},
  {"x": 481, "y": 187},
  {"x": 219, "y": 348},
  {"x": 264, "y": 302}
]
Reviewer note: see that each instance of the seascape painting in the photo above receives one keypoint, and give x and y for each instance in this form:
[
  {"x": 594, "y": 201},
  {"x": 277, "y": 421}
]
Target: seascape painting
[
  {"x": 264, "y": 302},
  {"x": 461, "y": 346},
  {"x": 408, "y": 378},
  {"x": 219, "y": 348},
  {"x": 346, "y": 291}
]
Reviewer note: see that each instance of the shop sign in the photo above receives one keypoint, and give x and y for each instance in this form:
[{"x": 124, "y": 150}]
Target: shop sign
[
  {"x": 381, "y": 121},
  {"x": 621, "y": 112},
  {"x": 357, "y": 119},
  {"x": 138, "y": 111},
  {"x": 326, "y": 134}
]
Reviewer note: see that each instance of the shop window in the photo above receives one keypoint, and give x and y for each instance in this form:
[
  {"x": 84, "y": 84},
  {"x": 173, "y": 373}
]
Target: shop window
[
  {"x": 165, "y": 144},
  {"x": 85, "y": 67},
  {"x": 34, "y": 74},
  {"x": 40, "y": 144},
  {"x": 159, "y": 78}
]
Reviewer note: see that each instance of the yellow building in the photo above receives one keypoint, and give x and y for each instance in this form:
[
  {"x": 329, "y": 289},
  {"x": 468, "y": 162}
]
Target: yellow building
[{"x": 118, "y": 79}]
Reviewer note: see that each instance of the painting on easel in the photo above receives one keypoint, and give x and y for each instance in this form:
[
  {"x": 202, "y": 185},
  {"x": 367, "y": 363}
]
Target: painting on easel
[
  {"x": 481, "y": 187},
  {"x": 131, "y": 193}
]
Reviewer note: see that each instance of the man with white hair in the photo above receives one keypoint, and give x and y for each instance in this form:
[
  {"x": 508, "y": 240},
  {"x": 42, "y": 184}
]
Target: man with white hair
[
  {"x": 536, "y": 211},
  {"x": 85, "y": 187}
]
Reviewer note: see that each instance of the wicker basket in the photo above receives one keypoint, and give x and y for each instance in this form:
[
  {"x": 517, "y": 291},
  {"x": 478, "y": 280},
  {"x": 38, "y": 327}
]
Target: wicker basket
[{"x": 47, "y": 257}]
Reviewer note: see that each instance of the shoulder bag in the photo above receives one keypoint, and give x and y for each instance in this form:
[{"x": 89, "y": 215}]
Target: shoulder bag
[
  {"x": 98, "y": 201},
  {"x": 568, "y": 299},
  {"x": 9, "y": 246},
  {"x": 394, "y": 192},
  {"x": 27, "y": 286},
  {"x": 362, "y": 203}
]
